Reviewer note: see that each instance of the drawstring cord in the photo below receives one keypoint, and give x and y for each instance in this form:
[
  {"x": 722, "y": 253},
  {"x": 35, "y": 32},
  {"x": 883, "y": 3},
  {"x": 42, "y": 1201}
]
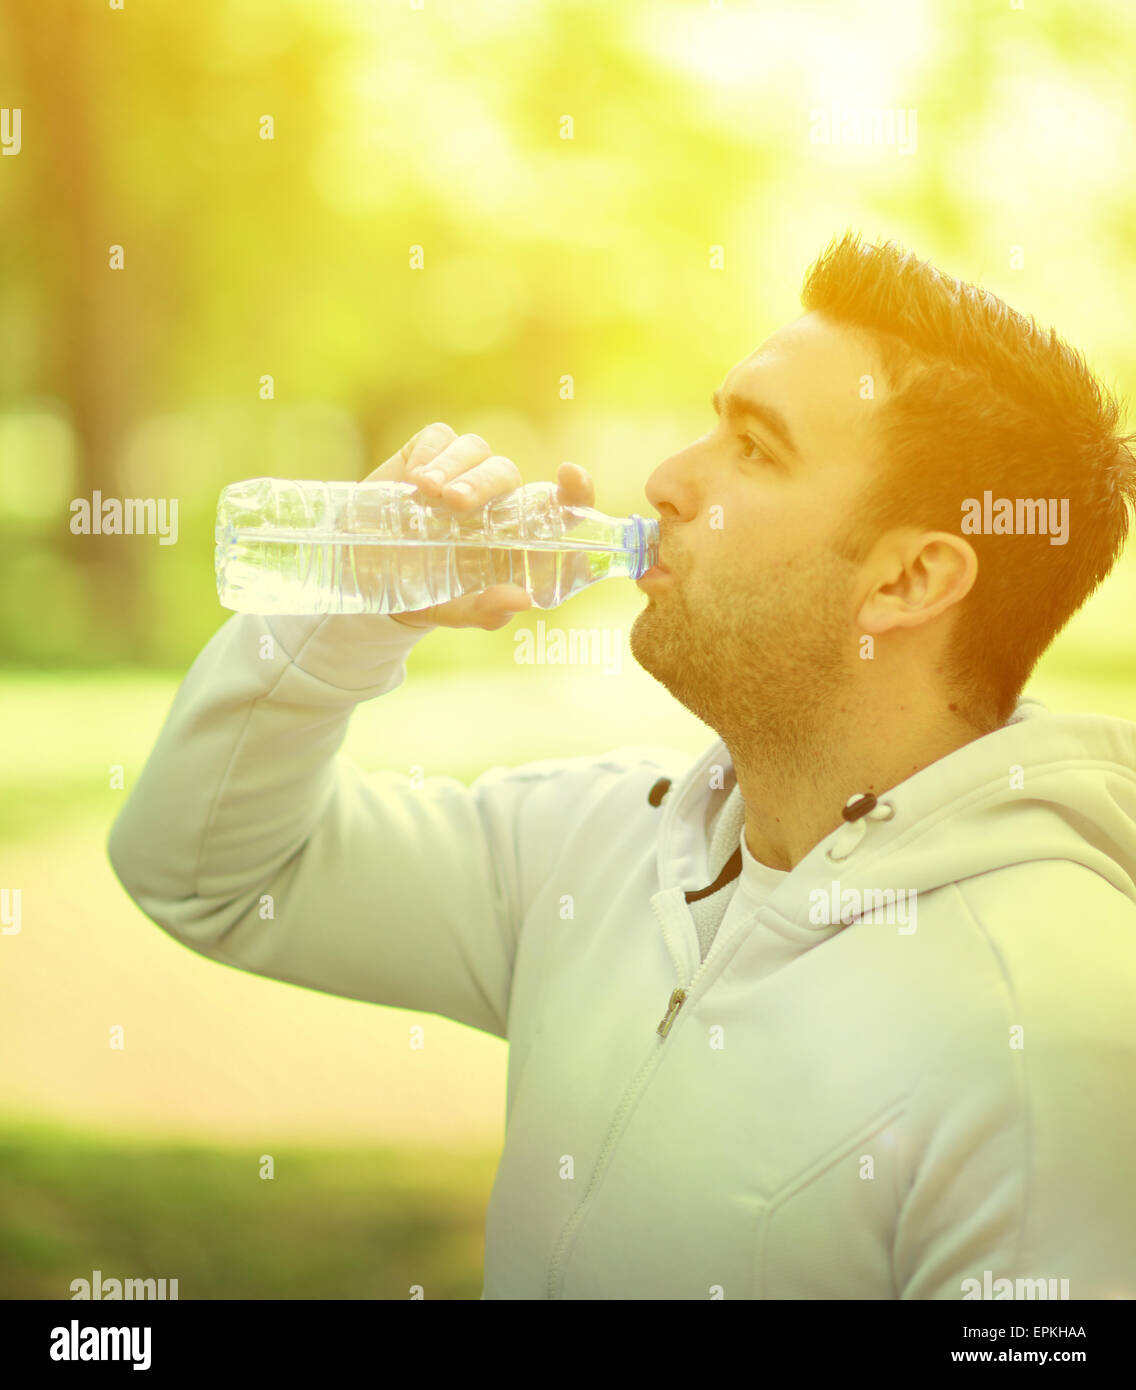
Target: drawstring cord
[{"x": 858, "y": 811}]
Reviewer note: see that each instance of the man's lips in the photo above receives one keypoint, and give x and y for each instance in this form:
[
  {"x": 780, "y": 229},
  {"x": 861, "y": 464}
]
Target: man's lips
[{"x": 657, "y": 571}]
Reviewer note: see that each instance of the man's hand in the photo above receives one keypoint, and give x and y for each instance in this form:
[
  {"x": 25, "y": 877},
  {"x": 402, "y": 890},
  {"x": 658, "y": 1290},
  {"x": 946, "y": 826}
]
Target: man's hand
[{"x": 436, "y": 459}]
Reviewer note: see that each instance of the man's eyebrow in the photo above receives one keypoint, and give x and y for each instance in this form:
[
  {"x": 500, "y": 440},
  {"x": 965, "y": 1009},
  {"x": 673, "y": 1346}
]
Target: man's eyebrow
[{"x": 735, "y": 404}]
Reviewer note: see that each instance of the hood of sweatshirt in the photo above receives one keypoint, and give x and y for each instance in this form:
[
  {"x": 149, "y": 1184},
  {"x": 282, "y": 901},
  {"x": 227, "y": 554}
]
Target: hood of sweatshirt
[{"x": 1042, "y": 787}]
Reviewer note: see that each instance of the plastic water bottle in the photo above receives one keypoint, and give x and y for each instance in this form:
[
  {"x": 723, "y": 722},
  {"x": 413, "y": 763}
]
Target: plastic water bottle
[{"x": 291, "y": 547}]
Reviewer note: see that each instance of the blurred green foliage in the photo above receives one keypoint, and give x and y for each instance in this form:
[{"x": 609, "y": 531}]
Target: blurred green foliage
[{"x": 441, "y": 127}]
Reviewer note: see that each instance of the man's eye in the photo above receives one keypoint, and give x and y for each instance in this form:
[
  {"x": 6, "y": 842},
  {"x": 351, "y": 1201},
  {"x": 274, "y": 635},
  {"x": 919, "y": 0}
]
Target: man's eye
[{"x": 760, "y": 454}]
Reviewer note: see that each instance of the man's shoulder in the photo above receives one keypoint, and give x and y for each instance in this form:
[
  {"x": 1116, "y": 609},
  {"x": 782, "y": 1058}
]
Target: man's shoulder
[
  {"x": 582, "y": 768},
  {"x": 1053, "y": 902},
  {"x": 1047, "y": 982}
]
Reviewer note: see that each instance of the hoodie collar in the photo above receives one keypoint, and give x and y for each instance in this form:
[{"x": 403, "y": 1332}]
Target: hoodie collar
[{"x": 1042, "y": 786}]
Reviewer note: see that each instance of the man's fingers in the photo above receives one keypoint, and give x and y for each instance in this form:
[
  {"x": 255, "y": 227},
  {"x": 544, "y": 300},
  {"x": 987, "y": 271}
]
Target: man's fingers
[
  {"x": 489, "y": 608},
  {"x": 478, "y": 485},
  {"x": 444, "y": 465},
  {"x": 575, "y": 486},
  {"x": 420, "y": 449},
  {"x": 500, "y": 604},
  {"x": 449, "y": 458},
  {"x": 427, "y": 444}
]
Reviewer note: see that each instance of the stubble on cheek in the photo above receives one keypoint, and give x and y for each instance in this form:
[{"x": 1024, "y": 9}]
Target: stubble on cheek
[
  {"x": 760, "y": 657},
  {"x": 684, "y": 646}
]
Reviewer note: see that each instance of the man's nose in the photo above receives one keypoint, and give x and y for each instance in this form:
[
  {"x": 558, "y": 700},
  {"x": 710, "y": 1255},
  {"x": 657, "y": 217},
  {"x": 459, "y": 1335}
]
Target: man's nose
[{"x": 672, "y": 489}]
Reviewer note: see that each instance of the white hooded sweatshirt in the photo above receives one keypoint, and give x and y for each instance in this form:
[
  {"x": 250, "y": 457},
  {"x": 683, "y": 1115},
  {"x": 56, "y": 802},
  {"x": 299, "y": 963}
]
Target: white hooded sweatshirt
[{"x": 797, "y": 1106}]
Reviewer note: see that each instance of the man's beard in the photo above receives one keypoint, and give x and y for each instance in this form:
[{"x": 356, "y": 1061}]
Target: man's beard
[{"x": 764, "y": 661}]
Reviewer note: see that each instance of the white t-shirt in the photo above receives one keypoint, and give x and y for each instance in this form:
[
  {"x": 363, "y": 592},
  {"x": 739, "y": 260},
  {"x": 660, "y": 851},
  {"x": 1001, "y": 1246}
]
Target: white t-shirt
[
  {"x": 752, "y": 887},
  {"x": 746, "y": 893}
]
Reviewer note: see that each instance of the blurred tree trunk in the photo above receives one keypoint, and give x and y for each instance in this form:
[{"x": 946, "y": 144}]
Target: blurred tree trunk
[{"x": 84, "y": 307}]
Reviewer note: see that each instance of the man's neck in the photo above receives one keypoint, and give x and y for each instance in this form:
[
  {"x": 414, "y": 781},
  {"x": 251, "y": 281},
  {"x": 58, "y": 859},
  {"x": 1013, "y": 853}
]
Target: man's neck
[{"x": 789, "y": 810}]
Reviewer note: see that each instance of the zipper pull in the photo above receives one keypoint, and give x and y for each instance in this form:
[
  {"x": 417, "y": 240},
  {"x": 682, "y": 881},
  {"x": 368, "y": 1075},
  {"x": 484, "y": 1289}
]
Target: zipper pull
[{"x": 673, "y": 1006}]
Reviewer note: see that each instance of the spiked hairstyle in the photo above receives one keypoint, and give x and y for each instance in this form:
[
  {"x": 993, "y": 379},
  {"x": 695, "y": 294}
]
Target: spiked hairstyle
[{"x": 983, "y": 399}]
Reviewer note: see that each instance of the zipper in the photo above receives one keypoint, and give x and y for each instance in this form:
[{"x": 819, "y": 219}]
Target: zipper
[
  {"x": 676, "y": 1001},
  {"x": 555, "y": 1268},
  {"x": 678, "y": 996},
  {"x": 555, "y": 1271}
]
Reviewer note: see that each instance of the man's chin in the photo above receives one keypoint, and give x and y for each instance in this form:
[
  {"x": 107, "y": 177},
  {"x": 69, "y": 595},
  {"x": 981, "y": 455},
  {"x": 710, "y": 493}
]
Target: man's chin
[
  {"x": 639, "y": 639},
  {"x": 653, "y": 645}
]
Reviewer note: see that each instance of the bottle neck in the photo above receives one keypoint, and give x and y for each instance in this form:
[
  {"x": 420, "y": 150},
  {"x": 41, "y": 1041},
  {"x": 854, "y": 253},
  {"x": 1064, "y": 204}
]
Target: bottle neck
[{"x": 642, "y": 544}]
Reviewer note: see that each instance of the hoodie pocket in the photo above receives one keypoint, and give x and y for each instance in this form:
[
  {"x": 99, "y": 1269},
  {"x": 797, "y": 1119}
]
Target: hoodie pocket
[{"x": 828, "y": 1233}]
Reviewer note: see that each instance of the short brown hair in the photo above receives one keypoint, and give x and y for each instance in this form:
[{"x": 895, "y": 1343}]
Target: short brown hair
[{"x": 984, "y": 400}]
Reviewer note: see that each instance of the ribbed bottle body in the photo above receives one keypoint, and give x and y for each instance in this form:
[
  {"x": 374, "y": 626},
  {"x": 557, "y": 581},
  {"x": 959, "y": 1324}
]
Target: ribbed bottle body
[{"x": 302, "y": 547}]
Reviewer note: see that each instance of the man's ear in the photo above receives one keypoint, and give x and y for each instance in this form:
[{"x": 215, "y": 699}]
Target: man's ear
[{"x": 914, "y": 576}]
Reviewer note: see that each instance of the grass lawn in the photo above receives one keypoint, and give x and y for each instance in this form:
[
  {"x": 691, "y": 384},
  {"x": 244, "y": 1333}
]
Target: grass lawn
[{"x": 366, "y": 1223}]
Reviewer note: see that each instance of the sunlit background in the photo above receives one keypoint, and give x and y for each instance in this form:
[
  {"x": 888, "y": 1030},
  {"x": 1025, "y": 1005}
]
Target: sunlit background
[{"x": 624, "y": 194}]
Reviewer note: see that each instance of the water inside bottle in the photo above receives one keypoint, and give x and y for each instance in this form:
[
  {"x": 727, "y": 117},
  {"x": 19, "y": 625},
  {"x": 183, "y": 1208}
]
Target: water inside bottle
[{"x": 261, "y": 573}]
